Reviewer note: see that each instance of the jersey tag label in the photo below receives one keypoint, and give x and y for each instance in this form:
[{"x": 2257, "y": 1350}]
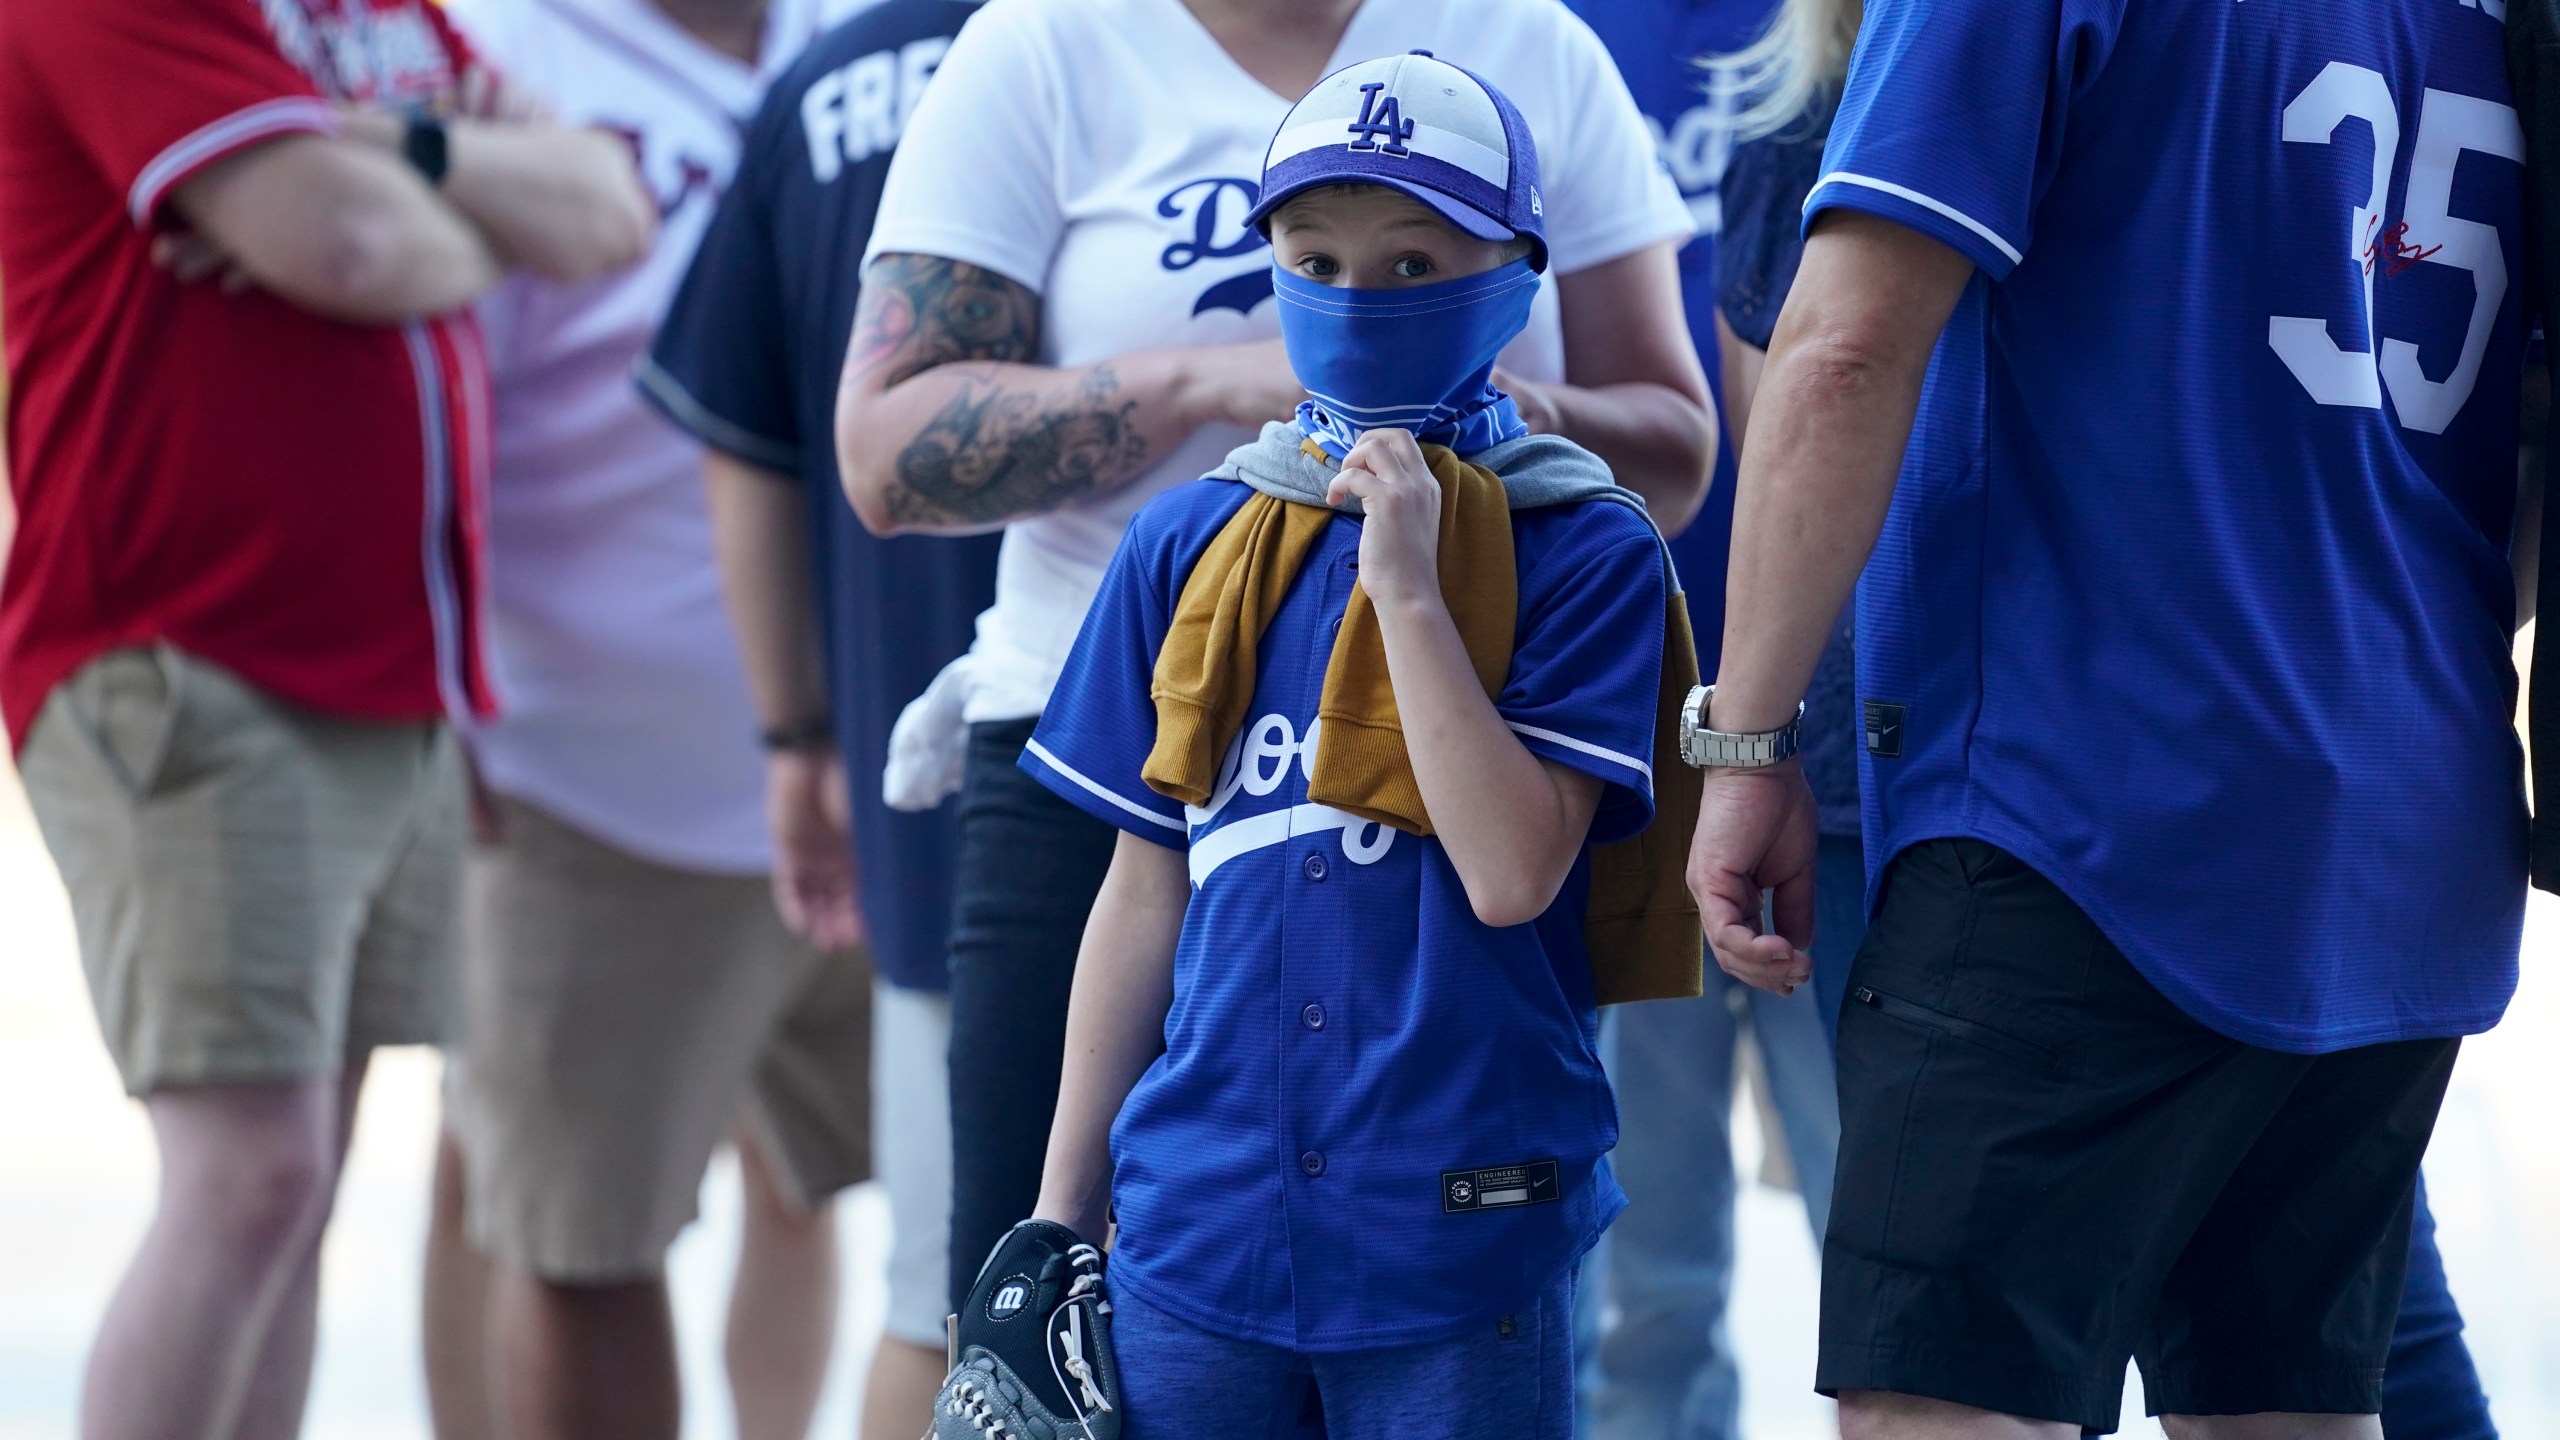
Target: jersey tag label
[
  {"x": 1884, "y": 729},
  {"x": 1499, "y": 1187}
]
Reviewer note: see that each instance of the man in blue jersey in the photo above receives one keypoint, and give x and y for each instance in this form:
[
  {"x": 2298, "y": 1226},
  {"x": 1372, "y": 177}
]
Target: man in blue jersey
[
  {"x": 838, "y": 628},
  {"x": 2191, "y": 789}
]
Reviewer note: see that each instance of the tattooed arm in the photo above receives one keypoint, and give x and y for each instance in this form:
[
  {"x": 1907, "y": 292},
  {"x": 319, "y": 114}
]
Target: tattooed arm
[{"x": 944, "y": 424}]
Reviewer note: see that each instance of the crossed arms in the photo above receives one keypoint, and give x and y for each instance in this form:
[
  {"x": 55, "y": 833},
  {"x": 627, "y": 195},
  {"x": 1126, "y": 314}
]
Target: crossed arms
[{"x": 342, "y": 226}]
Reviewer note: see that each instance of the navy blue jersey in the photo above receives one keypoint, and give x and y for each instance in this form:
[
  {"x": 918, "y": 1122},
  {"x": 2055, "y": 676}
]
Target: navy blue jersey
[
  {"x": 1658, "y": 45},
  {"x": 2194, "y": 594},
  {"x": 1377, "y": 1121},
  {"x": 747, "y": 360}
]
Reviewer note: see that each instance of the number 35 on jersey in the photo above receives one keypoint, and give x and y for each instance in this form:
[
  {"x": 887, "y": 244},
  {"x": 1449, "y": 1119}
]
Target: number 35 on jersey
[{"x": 2427, "y": 233}]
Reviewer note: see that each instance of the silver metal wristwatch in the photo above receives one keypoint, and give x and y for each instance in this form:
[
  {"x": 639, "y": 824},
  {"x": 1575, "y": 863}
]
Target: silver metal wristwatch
[{"x": 1717, "y": 749}]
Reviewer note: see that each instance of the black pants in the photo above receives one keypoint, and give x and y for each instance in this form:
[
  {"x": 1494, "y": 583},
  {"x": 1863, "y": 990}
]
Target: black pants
[
  {"x": 1030, "y": 866},
  {"x": 2045, "y": 1167}
]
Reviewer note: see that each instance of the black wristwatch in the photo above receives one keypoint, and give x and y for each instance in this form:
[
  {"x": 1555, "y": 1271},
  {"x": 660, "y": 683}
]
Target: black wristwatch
[
  {"x": 427, "y": 147},
  {"x": 818, "y": 732}
]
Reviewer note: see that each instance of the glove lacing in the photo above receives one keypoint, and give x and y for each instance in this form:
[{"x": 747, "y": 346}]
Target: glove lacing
[{"x": 1088, "y": 1263}]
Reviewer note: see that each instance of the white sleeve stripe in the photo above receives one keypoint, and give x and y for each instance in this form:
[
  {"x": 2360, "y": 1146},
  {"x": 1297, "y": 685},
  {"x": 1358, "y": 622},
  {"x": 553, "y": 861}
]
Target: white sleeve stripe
[
  {"x": 1142, "y": 812},
  {"x": 1925, "y": 202},
  {"x": 281, "y": 116},
  {"x": 1585, "y": 747}
]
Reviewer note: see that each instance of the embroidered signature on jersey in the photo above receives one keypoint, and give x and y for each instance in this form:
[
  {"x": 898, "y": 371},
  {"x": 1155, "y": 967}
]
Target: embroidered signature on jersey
[
  {"x": 1257, "y": 762},
  {"x": 355, "y": 52},
  {"x": 1216, "y": 207}
]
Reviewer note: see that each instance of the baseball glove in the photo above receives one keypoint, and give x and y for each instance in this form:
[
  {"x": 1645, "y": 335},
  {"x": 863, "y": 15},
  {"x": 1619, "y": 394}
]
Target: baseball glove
[{"x": 1031, "y": 1355}]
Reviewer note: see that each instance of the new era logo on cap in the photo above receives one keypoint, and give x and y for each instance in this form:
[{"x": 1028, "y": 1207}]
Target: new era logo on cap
[{"x": 1420, "y": 125}]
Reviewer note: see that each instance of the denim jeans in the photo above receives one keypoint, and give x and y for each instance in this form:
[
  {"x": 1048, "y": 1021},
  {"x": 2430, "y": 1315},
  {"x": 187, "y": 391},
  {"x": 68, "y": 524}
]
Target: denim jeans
[
  {"x": 1511, "y": 1378},
  {"x": 1665, "y": 1370},
  {"x": 1030, "y": 865}
]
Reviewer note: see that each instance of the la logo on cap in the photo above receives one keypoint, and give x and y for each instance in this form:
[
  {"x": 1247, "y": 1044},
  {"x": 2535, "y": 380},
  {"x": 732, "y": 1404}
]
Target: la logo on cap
[{"x": 1381, "y": 118}]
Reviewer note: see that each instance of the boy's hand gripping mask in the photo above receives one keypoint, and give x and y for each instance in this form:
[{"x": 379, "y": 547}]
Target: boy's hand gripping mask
[{"x": 1418, "y": 359}]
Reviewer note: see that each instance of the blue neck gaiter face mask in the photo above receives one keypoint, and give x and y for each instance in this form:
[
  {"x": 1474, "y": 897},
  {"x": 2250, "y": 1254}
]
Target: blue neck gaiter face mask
[{"x": 1419, "y": 359}]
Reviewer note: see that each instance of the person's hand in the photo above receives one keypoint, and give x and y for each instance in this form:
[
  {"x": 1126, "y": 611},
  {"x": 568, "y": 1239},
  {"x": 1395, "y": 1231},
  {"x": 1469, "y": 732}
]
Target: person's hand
[
  {"x": 1400, "y": 498},
  {"x": 1537, "y": 408},
  {"x": 1757, "y": 831},
  {"x": 1247, "y": 385},
  {"x": 808, "y": 807},
  {"x": 190, "y": 256}
]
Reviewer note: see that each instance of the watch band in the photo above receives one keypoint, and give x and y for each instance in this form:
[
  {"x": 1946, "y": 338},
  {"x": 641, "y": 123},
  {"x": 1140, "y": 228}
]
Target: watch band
[
  {"x": 1723, "y": 750},
  {"x": 427, "y": 146},
  {"x": 814, "y": 733}
]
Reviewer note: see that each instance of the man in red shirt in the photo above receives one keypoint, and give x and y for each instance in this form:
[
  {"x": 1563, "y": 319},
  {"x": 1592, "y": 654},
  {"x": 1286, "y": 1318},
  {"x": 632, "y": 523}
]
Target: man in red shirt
[{"x": 248, "y": 432}]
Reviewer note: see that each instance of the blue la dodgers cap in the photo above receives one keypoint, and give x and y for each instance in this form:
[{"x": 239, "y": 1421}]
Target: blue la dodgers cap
[{"x": 1415, "y": 123}]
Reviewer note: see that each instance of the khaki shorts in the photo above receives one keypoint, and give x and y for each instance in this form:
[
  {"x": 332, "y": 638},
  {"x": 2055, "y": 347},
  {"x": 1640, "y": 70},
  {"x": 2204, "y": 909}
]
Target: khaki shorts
[
  {"x": 262, "y": 892},
  {"x": 621, "y": 1017}
]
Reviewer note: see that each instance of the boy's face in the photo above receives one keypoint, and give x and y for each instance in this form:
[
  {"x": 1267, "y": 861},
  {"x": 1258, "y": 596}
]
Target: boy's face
[{"x": 1368, "y": 237}]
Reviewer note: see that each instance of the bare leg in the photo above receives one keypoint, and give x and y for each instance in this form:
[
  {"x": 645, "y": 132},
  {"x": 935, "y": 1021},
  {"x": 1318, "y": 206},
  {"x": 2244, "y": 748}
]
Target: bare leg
[
  {"x": 245, "y": 1172},
  {"x": 1883, "y": 1415},
  {"x": 585, "y": 1362},
  {"x": 897, "y": 1401},
  {"x": 456, "y": 1323},
  {"x": 782, "y": 1311},
  {"x": 280, "y": 1386},
  {"x": 2272, "y": 1426}
]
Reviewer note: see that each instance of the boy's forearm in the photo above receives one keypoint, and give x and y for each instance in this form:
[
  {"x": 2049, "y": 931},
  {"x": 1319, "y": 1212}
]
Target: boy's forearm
[
  {"x": 1504, "y": 816},
  {"x": 1115, "y": 1024}
]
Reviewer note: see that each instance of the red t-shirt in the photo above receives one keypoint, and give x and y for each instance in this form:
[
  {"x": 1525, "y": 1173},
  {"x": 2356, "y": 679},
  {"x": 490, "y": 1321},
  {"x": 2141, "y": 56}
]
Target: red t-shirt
[{"x": 296, "y": 499}]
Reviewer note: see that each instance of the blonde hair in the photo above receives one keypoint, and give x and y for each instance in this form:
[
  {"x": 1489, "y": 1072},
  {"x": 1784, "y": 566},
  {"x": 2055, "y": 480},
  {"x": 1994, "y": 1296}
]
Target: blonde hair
[{"x": 1796, "y": 62}]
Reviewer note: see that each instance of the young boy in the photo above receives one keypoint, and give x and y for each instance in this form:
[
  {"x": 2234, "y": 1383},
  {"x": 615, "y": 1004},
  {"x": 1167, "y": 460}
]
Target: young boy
[{"x": 1360, "y": 711}]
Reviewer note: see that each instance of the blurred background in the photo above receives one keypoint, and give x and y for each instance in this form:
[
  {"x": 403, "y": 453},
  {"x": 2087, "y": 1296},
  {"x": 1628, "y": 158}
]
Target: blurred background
[{"x": 76, "y": 1178}]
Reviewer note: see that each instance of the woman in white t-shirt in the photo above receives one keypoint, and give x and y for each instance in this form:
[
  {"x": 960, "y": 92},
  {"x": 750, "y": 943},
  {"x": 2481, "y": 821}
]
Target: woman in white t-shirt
[{"x": 1064, "y": 313}]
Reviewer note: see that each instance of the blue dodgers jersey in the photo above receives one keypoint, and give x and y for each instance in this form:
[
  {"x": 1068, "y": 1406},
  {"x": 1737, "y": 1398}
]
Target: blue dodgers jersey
[
  {"x": 1658, "y": 45},
  {"x": 2194, "y": 594},
  {"x": 747, "y": 361},
  {"x": 1377, "y": 1121}
]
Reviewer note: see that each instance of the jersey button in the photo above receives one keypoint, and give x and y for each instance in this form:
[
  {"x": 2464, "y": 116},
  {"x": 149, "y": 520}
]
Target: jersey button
[
  {"x": 1312, "y": 1162},
  {"x": 1315, "y": 867},
  {"x": 1313, "y": 1017}
]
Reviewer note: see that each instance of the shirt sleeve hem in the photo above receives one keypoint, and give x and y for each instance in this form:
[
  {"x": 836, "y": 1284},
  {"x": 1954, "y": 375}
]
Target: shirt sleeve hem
[
  {"x": 1599, "y": 761},
  {"x": 1102, "y": 803},
  {"x": 961, "y": 244},
  {"x": 689, "y": 414},
  {"x": 237, "y": 131},
  {"x": 1932, "y": 217}
]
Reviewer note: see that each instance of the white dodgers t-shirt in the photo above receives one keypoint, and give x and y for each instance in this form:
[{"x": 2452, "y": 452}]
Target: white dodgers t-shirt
[
  {"x": 1104, "y": 153},
  {"x": 624, "y": 707}
]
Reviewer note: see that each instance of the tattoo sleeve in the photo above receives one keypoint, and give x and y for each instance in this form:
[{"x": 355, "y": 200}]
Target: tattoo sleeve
[{"x": 996, "y": 448}]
